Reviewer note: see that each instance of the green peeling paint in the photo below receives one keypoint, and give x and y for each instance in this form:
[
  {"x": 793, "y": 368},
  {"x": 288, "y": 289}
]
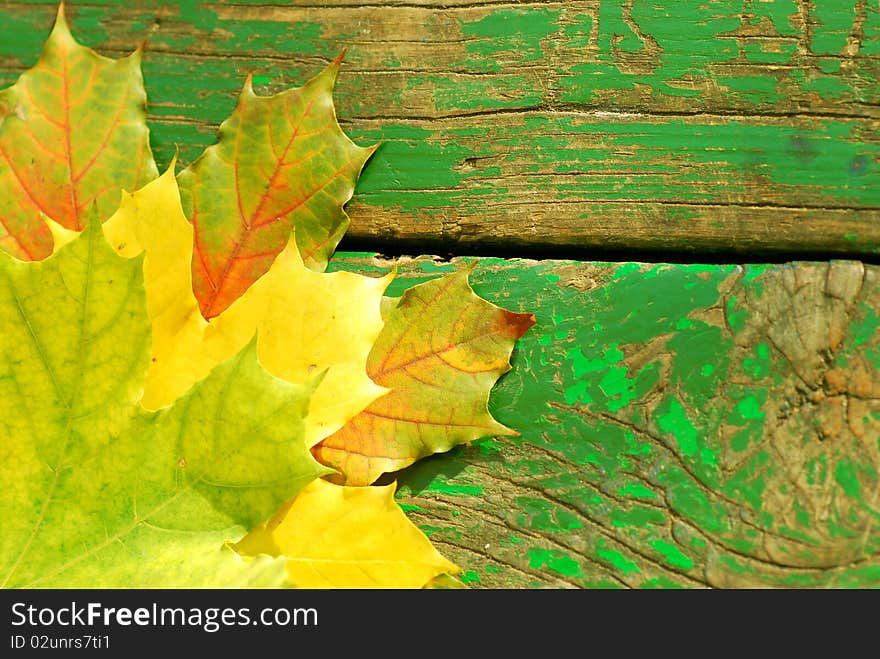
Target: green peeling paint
[
  {"x": 445, "y": 487},
  {"x": 672, "y": 554},
  {"x": 673, "y": 420},
  {"x": 757, "y": 365},
  {"x": 647, "y": 469},
  {"x": 519, "y": 31},
  {"x": 578, "y": 33},
  {"x": 637, "y": 517},
  {"x": 538, "y": 514},
  {"x": 556, "y": 561},
  {"x": 636, "y": 490},
  {"x": 469, "y": 577},
  {"x": 666, "y": 56},
  {"x": 846, "y": 476},
  {"x": 618, "y": 560},
  {"x": 662, "y": 105},
  {"x": 834, "y": 22}
]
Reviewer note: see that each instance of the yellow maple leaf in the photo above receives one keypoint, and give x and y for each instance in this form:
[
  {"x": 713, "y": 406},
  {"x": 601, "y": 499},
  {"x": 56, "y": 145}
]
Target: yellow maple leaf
[
  {"x": 306, "y": 322},
  {"x": 338, "y": 536}
]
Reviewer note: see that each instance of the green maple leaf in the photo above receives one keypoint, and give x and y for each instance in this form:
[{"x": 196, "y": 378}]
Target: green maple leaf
[
  {"x": 107, "y": 494},
  {"x": 97, "y": 491}
]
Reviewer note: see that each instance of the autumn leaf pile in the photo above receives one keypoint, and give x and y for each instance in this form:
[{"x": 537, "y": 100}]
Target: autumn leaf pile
[{"x": 186, "y": 398}]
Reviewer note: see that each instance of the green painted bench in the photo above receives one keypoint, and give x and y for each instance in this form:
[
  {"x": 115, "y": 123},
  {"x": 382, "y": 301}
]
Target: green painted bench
[{"x": 685, "y": 194}]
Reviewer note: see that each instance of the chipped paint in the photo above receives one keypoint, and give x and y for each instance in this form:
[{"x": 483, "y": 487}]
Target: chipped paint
[
  {"x": 644, "y": 403},
  {"x": 670, "y": 435},
  {"x": 690, "y": 117}
]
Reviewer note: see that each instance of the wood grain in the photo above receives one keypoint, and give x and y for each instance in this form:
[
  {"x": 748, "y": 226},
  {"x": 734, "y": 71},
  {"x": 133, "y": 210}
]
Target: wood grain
[
  {"x": 681, "y": 426},
  {"x": 739, "y": 128}
]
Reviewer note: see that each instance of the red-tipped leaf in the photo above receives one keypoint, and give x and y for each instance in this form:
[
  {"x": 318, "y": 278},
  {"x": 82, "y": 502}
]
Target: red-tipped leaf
[
  {"x": 282, "y": 162},
  {"x": 73, "y": 134}
]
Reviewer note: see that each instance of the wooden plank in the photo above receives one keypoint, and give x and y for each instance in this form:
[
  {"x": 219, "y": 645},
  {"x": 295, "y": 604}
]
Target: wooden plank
[
  {"x": 681, "y": 425},
  {"x": 741, "y": 127}
]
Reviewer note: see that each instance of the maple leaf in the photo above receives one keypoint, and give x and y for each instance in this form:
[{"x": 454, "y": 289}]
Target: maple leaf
[
  {"x": 281, "y": 162},
  {"x": 307, "y": 322},
  {"x": 440, "y": 353},
  {"x": 73, "y": 133},
  {"x": 347, "y": 537},
  {"x": 102, "y": 493},
  {"x": 225, "y": 442}
]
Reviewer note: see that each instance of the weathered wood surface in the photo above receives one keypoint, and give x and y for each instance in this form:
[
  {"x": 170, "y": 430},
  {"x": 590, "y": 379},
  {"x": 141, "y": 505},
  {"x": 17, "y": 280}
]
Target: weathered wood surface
[
  {"x": 704, "y": 425},
  {"x": 681, "y": 425},
  {"x": 739, "y": 127}
]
